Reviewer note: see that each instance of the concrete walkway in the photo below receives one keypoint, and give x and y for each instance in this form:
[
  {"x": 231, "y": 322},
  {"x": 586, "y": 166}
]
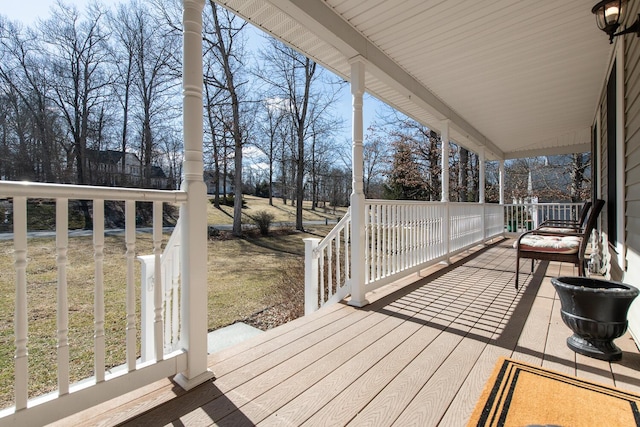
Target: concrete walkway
[{"x": 230, "y": 335}]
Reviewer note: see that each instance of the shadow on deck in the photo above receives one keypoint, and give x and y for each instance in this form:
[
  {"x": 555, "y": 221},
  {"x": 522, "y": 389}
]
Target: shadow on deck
[{"x": 416, "y": 355}]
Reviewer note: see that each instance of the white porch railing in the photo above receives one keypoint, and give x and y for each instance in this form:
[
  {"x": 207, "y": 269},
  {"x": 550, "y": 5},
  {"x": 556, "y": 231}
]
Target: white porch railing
[
  {"x": 69, "y": 398},
  {"x": 401, "y": 237},
  {"x": 520, "y": 217},
  {"x": 170, "y": 283},
  {"x": 327, "y": 267}
]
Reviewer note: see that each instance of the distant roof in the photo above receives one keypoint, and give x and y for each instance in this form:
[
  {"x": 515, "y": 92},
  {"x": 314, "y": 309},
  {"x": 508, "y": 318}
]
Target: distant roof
[
  {"x": 104, "y": 156},
  {"x": 157, "y": 172}
]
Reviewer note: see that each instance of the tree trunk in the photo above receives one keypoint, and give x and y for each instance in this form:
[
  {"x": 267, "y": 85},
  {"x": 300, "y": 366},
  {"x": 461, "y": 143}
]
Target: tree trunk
[
  {"x": 462, "y": 174},
  {"x": 577, "y": 176}
]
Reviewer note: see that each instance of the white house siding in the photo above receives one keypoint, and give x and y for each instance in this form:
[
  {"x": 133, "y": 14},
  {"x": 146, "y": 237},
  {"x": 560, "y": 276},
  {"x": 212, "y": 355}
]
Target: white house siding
[{"x": 632, "y": 168}]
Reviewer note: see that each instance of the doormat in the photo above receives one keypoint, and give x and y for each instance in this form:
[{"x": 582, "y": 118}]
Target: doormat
[{"x": 518, "y": 394}]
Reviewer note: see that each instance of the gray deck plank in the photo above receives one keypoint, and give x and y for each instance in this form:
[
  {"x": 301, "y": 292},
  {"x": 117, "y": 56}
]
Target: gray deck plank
[
  {"x": 313, "y": 398},
  {"x": 384, "y": 407},
  {"x": 431, "y": 403},
  {"x": 626, "y": 371},
  {"x": 418, "y": 355},
  {"x": 304, "y": 373},
  {"x": 558, "y": 356}
]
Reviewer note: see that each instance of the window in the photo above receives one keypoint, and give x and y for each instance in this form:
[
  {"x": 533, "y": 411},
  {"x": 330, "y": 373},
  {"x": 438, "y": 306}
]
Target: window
[{"x": 612, "y": 184}]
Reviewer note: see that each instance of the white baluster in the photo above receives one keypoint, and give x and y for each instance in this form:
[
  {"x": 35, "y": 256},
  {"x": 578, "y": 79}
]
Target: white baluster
[
  {"x": 98, "y": 308},
  {"x": 311, "y": 276},
  {"x": 396, "y": 239},
  {"x": 379, "y": 248},
  {"x": 367, "y": 244},
  {"x": 130, "y": 244},
  {"x": 62, "y": 318},
  {"x": 446, "y": 231},
  {"x": 175, "y": 281},
  {"x": 322, "y": 282},
  {"x": 426, "y": 224},
  {"x": 414, "y": 235},
  {"x": 158, "y": 288},
  {"x": 400, "y": 239},
  {"x": 338, "y": 265},
  {"x": 167, "y": 265},
  {"x": 385, "y": 240},
  {"x": 347, "y": 252},
  {"x": 417, "y": 234},
  {"x": 330, "y": 263},
  {"x": 20, "y": 316}
]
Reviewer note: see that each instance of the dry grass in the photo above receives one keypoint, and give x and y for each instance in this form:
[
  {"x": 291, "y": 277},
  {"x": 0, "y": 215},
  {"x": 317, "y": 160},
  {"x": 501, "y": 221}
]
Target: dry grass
[
  {"x": 280, "y": 211},
  {"x": 42, "y": 300},
  {"x": 244, "y": 276}
]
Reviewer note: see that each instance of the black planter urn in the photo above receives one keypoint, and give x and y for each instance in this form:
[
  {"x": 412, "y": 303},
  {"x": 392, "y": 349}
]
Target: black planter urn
[{"x": 596, "y": 311}]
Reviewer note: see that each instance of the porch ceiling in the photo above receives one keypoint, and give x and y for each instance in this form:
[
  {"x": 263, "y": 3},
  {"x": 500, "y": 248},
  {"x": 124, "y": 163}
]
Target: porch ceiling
[{"x": 516, "y": 77}]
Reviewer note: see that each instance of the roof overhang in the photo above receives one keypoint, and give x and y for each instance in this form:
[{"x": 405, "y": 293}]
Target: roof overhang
[{"x": 513, "y": 78}]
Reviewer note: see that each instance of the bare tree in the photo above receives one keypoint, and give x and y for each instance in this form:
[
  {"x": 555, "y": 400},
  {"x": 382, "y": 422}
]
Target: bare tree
[
  {"x": 223, "y": 39},
  {"x": 79, "y": 55},
  {"x": 300, "y": 105},
  {"x": 26, "y": 88},
  {"x": 169, "y": 144},
  {"x": 290, "y": 74},
  {"x": 156, "y": 57},
  {"x": 214, "y": 131},
  {"x": 323, "y": 149},
  {"x": 580, "y": 188},
  {"x": 124, "y": 52},
  {"x": 270, "y": 128},
  {"x": 463, "y": 174},
  {"x": 78, "y": 49},
  {"x": 293, "y": 78}
]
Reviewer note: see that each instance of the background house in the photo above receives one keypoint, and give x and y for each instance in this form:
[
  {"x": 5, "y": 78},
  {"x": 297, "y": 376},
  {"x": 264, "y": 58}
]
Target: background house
[
  {"x": 224, "y": 183},
  {"x": 106, "y": 167}
]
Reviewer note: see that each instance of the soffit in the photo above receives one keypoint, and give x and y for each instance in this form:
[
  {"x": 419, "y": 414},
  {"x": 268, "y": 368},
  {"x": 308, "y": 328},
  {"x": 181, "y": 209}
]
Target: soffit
[{"x": 513, "y": 77}]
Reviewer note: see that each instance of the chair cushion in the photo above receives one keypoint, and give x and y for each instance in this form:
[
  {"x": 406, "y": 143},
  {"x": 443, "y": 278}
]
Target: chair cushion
[
  {"x": 557, "y": 230},
  {"x": 549, "y": 244}
]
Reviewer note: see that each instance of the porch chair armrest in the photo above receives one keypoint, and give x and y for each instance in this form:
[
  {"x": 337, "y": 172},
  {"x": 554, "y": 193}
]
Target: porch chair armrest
[
  {"x": 558, "y": 233},
  {"x": 559, "y": 223}
]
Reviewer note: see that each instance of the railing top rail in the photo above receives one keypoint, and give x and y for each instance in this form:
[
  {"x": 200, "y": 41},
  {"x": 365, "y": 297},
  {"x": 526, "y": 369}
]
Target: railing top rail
[
  {"x": 546, "y": 204},
  {"x": 422, "y": 202},
  {"x": 87, "y": 192},
  {"x": 335, "y": 231},
  {"x": 174, "y": 238},
  {"x": 399, "y": 202}
]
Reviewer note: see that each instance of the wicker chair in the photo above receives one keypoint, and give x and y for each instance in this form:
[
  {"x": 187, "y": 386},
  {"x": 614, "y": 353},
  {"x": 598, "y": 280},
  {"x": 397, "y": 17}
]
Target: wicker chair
[{"x": 557, "y": 246}]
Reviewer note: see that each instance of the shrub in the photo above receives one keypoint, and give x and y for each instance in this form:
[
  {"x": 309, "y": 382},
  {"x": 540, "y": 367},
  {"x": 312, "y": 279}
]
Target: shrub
[
  {"x": 212, "y": 232},
  {"x": 263, "y": 220}
]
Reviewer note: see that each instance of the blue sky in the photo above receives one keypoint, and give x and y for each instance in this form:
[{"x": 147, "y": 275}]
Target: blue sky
[{"x": 28, "y": 11}]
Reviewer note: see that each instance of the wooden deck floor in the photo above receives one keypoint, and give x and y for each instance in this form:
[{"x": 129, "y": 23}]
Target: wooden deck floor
[{"x": 418, "y": 355}]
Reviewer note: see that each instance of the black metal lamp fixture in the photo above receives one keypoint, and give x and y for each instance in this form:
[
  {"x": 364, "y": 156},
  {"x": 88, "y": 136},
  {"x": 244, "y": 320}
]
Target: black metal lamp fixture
[{"x": 610, "y": 14}]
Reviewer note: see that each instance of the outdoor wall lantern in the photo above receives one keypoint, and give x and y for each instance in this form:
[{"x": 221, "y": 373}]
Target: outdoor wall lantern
[{"x": 610, "y": 14}]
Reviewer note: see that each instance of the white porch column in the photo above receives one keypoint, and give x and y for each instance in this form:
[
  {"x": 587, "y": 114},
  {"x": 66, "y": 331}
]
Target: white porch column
[
  {"x": 481, "y": 173},
  {"x": 481, "y": 178},
  {"x": 357, "y": 187},
  {"x": 501, "y": 178},
  {"x": 193, "y": 213},
  {"x": 444, "y": 161}
]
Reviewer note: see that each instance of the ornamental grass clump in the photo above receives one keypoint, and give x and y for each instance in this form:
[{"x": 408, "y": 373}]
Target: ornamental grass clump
[{"x": 263, "y": 220}]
